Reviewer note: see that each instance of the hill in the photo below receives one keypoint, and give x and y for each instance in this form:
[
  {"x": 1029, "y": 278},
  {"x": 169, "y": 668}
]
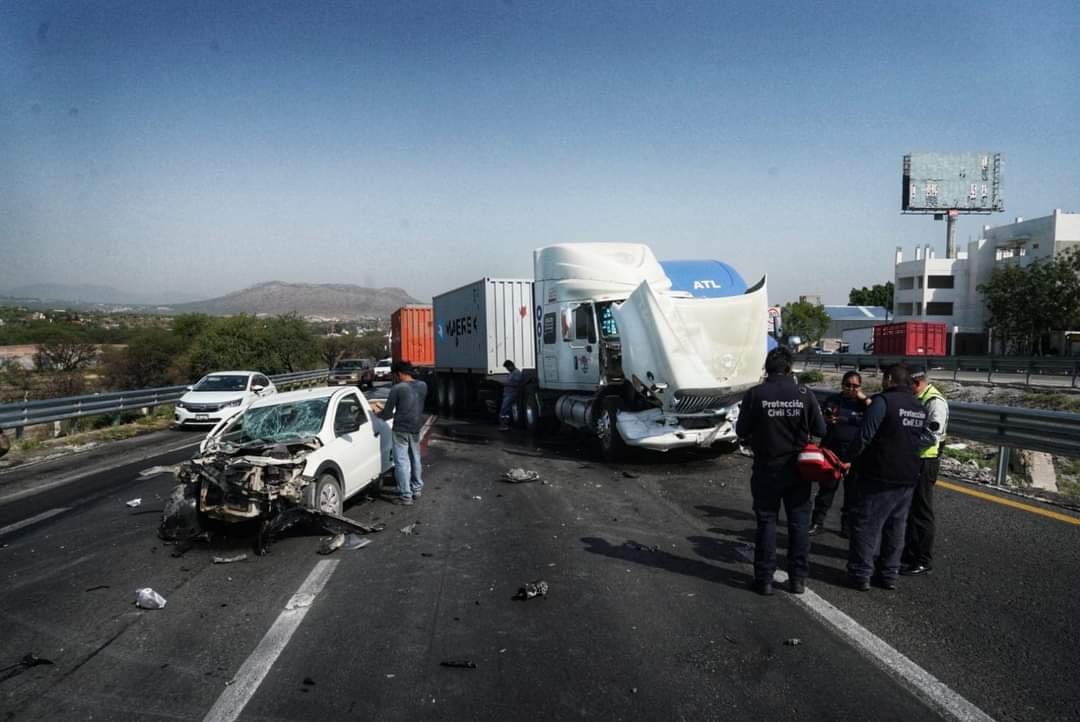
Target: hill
[
  {"x": 87, "y": 295},
  {"x": 343, "y": 301}
]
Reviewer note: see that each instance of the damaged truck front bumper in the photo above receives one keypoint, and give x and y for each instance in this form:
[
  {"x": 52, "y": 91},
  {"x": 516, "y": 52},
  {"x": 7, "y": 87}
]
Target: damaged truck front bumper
[{"x": 658, "y": 430}]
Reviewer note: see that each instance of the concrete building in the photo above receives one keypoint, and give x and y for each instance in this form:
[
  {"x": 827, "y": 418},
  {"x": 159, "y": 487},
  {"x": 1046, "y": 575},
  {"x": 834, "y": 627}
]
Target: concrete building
[{"x": 945, "y": 290}]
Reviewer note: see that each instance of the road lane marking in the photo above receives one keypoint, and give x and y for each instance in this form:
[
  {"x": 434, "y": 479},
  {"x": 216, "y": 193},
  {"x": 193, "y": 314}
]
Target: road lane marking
[
  {"x": 33, "y": 520},
  {"x": 251, "y": 673},
  {"x": 925, "y": 685},
  {"x": 1009, "y": 502},
  {"x": 427, "y": 426}
]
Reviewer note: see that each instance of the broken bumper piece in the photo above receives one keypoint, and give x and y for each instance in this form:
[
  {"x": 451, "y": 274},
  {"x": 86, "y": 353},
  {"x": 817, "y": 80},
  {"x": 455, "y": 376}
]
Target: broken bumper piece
[{"x": 659, "y": 431}]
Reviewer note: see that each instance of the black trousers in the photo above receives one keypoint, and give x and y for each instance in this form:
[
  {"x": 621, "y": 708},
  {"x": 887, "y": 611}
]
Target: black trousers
[
  {"x": 771, "y": 489},
  {"x": 919, "y": 546},
  {"x": 824, "y": 499},
  {"x": 877, "y": 532}
]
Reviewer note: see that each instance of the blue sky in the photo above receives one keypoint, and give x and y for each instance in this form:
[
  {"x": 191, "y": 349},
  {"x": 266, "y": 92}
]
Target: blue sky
[{"x": 208, "y": 146}]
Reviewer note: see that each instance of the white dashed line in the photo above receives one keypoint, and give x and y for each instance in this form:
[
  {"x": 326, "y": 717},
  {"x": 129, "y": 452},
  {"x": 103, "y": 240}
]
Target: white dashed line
[
  {"x": 251, "y": 673},
  {"x": 925, "y": 685},
  {"x": 33, "y": 520}
]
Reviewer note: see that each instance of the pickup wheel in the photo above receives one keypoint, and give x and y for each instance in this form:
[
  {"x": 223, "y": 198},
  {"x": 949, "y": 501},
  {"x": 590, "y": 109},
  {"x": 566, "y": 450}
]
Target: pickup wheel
[
  {"x": 325, "y": 494},
  {"x": 612, "y": 446}
]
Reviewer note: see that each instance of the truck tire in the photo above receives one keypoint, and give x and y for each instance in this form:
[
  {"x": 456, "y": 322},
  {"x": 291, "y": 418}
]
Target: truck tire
[
  {"x": 325, "y": 494},
  {"x": 612, "y": 446},
  {"x": 533, "y": 423},
  {"x": 455, "y": 396},
  {"x": 442, "y": 392},
  {"x": 517, "y": 413}
]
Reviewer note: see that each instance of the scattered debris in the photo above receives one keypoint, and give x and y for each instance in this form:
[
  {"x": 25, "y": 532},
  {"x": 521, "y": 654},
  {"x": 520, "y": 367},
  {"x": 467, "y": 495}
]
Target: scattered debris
[
  {"x": 793, "y": 642},
  {"x": 155, "y": 470},
  {"x": 410, "y": 529},
  {"x": 539, "y": 588},
  {"x": 299, "y": 601},
  {"x": 426, "y": 554},
  {"x": 355, "y": 541},
  {"x": 390, "y": 676},
  {"x": 458, "y": 664},
  {"x": 331, "y": 544},
  {"x": 147, "y": 598},
  {"x": 309, "y": 682},
  {"x": 628, "y": 475},
  {"x": 331, "y": 523},
  {"x": 99, "y": 586},
  {"x": 957, "y": 446},
  {"x": 230, "y": 560},
  {"x": 134, "y": 502},
  {"x": 633, "y": 690},
  {"x": 29, "y": 660},
  {"x": 477, "y": 498},
  {"x": 518, "y": 475}
]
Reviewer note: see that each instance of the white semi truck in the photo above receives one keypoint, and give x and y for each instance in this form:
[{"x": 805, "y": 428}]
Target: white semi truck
[{"x": 615, "y": 350}]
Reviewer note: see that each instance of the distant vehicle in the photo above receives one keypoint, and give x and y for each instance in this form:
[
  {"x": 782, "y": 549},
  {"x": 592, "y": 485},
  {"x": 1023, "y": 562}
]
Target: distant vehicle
[
  {"x": 359, "y": 372},
  {"x": 824, "y": 352},
  {"x": 219, "y": 395},
  {"x": 382, "y": 369},
  {"x": 311, "y": 449}
]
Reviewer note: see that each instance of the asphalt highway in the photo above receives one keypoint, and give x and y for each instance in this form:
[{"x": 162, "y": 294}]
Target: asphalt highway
[{"x": 647, "y": 616}]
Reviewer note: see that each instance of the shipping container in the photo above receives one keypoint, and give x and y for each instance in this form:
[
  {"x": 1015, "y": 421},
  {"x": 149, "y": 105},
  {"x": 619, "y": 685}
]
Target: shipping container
[
  {"x": 412, "y": 336},
  {"x": 859, "y": 340},
  {"x": 480, "y": 325},
  {"x": 910, "y": 338}
]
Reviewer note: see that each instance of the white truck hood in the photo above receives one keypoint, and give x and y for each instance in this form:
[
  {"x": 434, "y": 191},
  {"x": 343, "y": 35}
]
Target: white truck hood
[{"x": 701, "y": 348}]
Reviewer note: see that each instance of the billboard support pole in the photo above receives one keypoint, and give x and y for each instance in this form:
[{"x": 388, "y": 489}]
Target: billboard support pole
[{"x": 950, "y": 234}]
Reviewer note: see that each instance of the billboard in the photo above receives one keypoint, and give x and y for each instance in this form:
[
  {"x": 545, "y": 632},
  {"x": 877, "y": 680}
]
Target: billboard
[{"x": 964, "y": 182}]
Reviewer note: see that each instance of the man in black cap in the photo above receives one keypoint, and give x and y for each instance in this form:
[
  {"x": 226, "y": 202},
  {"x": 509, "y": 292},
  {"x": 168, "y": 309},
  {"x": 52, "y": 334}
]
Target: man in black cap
[
  {"x": 919, "y": 547},
  {"x": 887, "y": 449},
  {"x": 778, "y": 418},
  {"x": 405, "y": 405}
]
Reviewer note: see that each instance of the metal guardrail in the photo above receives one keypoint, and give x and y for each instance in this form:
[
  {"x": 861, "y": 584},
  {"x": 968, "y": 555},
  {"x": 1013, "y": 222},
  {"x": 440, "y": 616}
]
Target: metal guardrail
[
  {"x": 1027, "y": 366},
  {"x": 30, "y": 413},
  {"x": 1010, "y": 427}
]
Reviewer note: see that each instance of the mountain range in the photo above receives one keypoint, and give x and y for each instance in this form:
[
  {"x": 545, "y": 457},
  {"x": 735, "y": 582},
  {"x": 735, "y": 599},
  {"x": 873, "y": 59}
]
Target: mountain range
[{"x": 342, "y": 301}]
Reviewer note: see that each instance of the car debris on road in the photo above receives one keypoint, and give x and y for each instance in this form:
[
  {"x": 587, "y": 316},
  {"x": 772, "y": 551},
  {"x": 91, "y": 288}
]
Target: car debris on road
[
  {"x": 519, "y": 475},
  {"x": 539, "y": 588},
  {"x": 410, "y": 529},
  {"x": 458, "y": 664},
  {"x": 230, "y": 560},
  {"x": 147, "y": 598},
  {"x": 792, "y": 642},
  {"x": 134, "y": 502}
]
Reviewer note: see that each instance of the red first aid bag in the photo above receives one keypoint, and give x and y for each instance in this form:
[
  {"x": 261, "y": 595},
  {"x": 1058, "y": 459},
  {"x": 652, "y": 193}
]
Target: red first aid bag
[{"x": 820, "y": 465}]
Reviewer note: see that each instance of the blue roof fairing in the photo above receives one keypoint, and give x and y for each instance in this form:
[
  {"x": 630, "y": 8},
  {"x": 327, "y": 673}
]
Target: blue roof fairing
[{"x": 704, "y": 278}]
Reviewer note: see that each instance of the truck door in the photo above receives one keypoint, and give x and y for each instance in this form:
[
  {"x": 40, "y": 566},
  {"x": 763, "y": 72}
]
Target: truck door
[{"x": 579, "y": 362}]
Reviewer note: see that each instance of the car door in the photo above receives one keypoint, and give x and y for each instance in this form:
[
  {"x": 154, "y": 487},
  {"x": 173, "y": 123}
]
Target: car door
[{"x": 355, "y": 448}]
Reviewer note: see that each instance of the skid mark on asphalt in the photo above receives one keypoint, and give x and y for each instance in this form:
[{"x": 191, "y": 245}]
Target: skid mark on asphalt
[
  {"x": 1009, "y": 502},
  {"x": 925, "y": 685},
  {"x": 232, "y": 701}
]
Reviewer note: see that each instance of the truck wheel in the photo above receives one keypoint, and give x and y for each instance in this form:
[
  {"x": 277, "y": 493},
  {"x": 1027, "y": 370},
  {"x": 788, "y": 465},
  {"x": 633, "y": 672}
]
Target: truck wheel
[
  {"x": 453, "y": 395},
  {"x": 517, "y": 414},
  {"x": 533, "y": 423},
  {"x": 442, "y": 392},
  {"x": 324, "y": 494},
  {"x": 612, "y": 446}
]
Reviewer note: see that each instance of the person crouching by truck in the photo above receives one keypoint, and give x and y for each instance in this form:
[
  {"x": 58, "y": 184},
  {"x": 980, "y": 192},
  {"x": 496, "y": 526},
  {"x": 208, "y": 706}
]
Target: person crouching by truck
[
  {"x": 405, "y": 405},
  {"x": 843, "y": 415},
  {"x": 511, "y": 393},
  {"x": 887, "y": 452},
  {"x": 778, "y": 418}
]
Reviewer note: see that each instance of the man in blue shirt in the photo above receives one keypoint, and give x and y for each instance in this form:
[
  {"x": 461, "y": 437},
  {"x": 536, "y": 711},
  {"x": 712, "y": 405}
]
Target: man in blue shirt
[
  {"x": 511, "y": 393},
  {"x": 405, "y": 405}
]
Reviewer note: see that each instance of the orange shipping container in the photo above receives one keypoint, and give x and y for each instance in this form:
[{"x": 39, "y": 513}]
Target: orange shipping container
[{"x": 413, "y": 338}]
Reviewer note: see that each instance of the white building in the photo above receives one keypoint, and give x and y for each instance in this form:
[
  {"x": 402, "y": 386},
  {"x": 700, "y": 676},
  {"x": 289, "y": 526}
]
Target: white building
[{"x": 944, "y": 290}]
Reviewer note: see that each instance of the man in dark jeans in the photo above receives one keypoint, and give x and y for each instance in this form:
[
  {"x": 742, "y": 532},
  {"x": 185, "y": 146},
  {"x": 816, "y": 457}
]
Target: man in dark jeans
[
  {"x": 843, "y": 415},
  {"x": 887, "y": 449},
  {"x": 778, "y": 417}
]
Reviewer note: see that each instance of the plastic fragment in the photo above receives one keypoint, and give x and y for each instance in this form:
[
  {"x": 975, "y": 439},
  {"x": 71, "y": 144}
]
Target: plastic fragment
[
  {"x": 518, "y": 475},
  {"x": 331, "y": 544},
  {"x": 355, "y": 541},
  {"x": 134, "y": 502},
  {"x": 539, "y": 588},
  {"x": 230, "y": 560},
  {"x": 793, "y": 642},
  {"x": 410, "y": 529},
  {"x": 458, "y": 664},
  {"x": 147, "y": 598}
]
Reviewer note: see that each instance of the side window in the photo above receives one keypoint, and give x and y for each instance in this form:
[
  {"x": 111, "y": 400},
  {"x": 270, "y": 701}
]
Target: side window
[
  {"x": 584, "y": 325},
  {"x": 549, "y": 328},
  {"x": 262, "y": 380},
  {"x": 349, "y": 414}
]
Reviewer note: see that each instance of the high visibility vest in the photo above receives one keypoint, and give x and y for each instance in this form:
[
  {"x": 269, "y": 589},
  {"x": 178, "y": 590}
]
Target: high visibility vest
[{"x": 930, "y": 392}]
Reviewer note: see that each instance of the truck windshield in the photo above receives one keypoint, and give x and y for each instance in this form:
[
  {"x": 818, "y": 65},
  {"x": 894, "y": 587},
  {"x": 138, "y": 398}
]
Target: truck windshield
[{"x": 300, "y": 419}]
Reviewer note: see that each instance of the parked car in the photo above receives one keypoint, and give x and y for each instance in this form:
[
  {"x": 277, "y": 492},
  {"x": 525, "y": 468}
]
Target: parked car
[
  {"x": 220, "y": 395},
  {"x": 359, "y": 372},
  {"x": 382, "y": 369}
]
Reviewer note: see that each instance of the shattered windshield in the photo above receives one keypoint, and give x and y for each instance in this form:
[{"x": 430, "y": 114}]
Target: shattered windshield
[
  {"x": 222, "y": 383},
  {"x": 300, "y": 419}
]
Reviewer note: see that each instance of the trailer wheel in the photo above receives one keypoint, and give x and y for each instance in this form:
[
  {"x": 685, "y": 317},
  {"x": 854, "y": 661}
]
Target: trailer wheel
[
  {"x": 455, "y": 396},
  {"x": 612, "y": 445},
  {"x": 441, "y": 393}
]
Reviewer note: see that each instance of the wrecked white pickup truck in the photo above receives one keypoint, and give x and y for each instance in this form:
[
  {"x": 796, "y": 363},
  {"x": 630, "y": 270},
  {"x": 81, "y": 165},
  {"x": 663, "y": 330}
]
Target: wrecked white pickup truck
[{"x": 288, "y": 458}]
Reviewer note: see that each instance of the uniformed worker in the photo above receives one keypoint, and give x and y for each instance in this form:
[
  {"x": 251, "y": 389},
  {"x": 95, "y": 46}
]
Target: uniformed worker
[
  {"x": 778, "y": 417},
  {"x": 887, "y": 452},
  {"x": 843, "y": 414},
  {"x": 918, "y": 549}
]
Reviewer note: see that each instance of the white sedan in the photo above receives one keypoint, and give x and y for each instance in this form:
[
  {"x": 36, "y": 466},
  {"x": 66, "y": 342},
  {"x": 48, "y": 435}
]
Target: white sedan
[
  {"x": 219, "y": 395},
  {"x": 315, "y": 447}
]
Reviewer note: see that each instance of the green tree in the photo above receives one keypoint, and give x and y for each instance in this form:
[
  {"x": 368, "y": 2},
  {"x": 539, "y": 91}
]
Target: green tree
[
  {"x": 64, "y": 349},
  {"x": 232, "y": 343},
  {"x": 1027, "y": 303},
  {"x": 149, "y": 360},
  {"x": 189, "y": 326},
  {"x": 334, "y": 348},
  {"x": 293, "y": 345},
  {"x": 806, "y": 320},
  {"x": 880, "y": 294}
]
